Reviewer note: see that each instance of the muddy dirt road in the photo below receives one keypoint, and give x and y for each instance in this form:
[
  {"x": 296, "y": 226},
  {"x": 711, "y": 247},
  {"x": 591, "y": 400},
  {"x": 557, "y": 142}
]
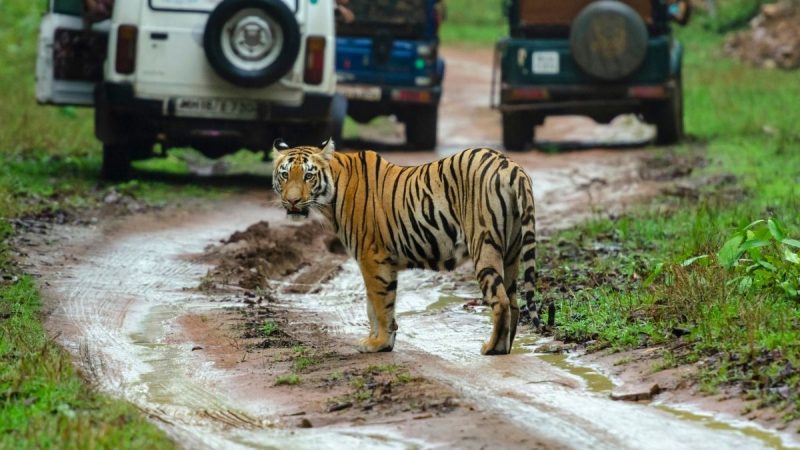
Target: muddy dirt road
[{"x": 124, "y": 301}]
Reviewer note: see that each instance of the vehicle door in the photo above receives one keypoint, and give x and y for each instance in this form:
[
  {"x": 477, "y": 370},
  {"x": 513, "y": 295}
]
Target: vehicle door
[{"x": 70, "y": 55}]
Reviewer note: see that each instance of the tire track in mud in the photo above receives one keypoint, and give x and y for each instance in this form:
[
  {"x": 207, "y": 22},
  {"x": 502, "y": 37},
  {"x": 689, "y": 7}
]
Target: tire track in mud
[{"x": 114, "y": 312}]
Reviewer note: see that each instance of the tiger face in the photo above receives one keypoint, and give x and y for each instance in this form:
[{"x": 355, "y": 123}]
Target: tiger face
[{"x": 302, "y": 177}]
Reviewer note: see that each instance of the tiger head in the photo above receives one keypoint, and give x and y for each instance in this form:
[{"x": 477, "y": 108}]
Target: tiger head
[{"x": 302, "y": 177}]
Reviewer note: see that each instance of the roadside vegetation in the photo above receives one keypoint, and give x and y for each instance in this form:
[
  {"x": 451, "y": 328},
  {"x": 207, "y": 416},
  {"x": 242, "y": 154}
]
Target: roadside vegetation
[
  {"x": 711, "y": 272},
  {"x": 473, "y": 22}
]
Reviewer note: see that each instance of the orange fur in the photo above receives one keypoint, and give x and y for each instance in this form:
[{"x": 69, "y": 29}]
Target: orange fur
[{"x": 476, "y": 204}]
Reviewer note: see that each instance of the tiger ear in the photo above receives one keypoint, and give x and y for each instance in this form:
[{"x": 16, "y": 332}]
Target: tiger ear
[
  {"x": 328, "y": 148},
  {"x": 278, "y": 145}
]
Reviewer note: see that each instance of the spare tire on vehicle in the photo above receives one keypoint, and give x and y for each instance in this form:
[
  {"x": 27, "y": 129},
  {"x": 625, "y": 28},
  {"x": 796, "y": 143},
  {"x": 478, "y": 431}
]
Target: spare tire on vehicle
[
  {"x": 608, "y": 40},
  {"x": 251, "y": 43}
]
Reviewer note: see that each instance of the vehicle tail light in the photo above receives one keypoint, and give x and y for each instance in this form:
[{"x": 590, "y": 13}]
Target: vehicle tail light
[
  {"x": 405, "y": 95},
  {"x": 126, "y": 49},
  {"x": 527, "y": 93},
  {"x": 647, "y": 92},
  {"x": 315, "y": 60}
]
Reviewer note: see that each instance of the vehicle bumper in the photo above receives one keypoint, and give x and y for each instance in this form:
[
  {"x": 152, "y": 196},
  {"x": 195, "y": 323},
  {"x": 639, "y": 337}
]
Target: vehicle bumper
[
  {"x": 120, "y": 98},
  {"x": 582, "y": 99},
  {"x": 120, "y": 116},
  {"x": 365, "y": 102},
  {"x": 389, "y": 95}
]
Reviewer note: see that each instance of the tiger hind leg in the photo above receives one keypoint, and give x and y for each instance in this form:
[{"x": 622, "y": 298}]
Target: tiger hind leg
[
  {"x": 494, "y": 293},
  {"x": 510, "y": 283}
]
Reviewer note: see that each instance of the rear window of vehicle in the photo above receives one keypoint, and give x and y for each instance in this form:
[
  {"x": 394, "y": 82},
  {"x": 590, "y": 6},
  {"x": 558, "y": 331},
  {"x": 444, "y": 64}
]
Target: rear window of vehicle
[
  {"x": 546, "y": 12},
  {"x": 402, "y": 18},
  {"x": 70, "y": 7}
]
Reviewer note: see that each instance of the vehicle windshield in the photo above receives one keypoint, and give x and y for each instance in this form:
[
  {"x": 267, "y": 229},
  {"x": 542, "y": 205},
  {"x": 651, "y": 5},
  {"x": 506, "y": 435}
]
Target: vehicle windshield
[
  {"x": 401, "y": 18},
  {"x": 70, "y": 7}
]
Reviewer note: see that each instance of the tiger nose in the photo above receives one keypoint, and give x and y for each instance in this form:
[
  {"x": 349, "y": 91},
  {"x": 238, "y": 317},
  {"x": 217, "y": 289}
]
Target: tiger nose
[{"x": 293, "y": 201}]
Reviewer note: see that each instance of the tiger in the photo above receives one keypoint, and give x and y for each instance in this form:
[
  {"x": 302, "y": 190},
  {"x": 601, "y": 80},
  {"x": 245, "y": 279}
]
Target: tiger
[{"x": 476, "y": 204}]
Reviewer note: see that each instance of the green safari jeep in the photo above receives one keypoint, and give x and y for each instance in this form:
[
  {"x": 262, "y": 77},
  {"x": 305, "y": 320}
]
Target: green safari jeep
[{"x": 594, "y": 58}]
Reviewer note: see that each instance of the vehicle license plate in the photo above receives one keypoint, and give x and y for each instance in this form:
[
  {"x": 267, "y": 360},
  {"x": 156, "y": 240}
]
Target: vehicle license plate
[
  {"x": 220, "y": 108},
  {"x": 545, "y": 63},
  {"x": 367, "y": 93}
]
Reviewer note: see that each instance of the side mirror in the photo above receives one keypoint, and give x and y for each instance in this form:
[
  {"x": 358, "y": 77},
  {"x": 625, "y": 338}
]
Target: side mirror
[{"x": 679, "y": 11}]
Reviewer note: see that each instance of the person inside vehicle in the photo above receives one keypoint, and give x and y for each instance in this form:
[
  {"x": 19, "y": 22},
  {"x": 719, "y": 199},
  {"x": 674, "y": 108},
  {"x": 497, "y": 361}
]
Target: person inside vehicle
[
  {"x": 679, "y": 11},
  {"x": 97, "y": 10},
  {"x": 343, "y": 13}
]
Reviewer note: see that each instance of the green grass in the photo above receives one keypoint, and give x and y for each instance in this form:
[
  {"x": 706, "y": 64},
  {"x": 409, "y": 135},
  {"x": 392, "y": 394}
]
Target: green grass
[
  {"x": 288, "y": 379},
  {"x": 732, "y": 14},
  {"x": 269, "y": 328},
  {"x": 744, "y": 122},
  {"x": 43, "y": 402},
  {"x": 473, "y": 22},
  {"x": 304, "y": 358}
]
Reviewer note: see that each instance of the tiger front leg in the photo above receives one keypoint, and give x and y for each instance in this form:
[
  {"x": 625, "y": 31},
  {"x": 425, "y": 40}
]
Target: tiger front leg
[{"x": 381, "y": 283}]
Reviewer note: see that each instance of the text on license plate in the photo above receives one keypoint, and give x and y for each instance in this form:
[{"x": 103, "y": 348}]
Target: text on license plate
[
  {"x": 368, "y": 93},
  {"x": 216, "y": 108},
  {"x": 545, "y": 63}
]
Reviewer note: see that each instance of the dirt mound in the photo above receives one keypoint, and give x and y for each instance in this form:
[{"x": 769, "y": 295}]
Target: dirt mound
[
  {"x": 252, "y": 258},
  {"x": 773, "y": 40}
]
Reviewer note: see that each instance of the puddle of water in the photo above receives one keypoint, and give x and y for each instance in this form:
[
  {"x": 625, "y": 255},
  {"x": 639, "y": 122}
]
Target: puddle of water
[
  {"x": 443, "y": 302},
  {"x": 595, "y": 381}
]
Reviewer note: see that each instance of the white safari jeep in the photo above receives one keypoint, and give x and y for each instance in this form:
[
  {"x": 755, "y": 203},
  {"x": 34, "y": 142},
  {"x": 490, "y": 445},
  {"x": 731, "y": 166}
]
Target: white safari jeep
[{"x": 216, "y": 75}]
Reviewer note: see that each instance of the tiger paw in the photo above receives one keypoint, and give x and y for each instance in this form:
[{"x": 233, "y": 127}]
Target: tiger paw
[
  {"x": 500, "y": 348},
  {"x": 375, "y": 345}
]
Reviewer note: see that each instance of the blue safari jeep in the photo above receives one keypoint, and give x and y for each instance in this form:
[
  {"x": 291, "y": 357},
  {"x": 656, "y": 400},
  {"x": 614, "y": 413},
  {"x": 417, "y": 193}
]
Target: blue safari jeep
[
  {"x": 594, "y": 58},
  {"x": 387, "y": 62}
]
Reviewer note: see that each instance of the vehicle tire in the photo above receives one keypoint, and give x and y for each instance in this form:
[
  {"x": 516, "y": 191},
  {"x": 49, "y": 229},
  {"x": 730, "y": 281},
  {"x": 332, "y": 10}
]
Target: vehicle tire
[
  {"x": 517, "y": 131},
  {"x": 668, "y": 117},
  {"x": 421, "y": 127},
  {"x": 267, "y": 46},
  {"x": 608, "y": 40},
  {"x": 116, "y": 162}
]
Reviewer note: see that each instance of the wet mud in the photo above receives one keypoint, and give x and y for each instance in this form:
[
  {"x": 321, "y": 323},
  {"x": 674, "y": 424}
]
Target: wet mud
[
  {"x": 127, "y": 303},
  {"x": 233, "y": 328}
]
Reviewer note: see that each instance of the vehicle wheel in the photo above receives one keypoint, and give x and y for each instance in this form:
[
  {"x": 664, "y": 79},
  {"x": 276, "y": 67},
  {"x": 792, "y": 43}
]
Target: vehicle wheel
[
  {"x": 116, "y": 162},
  {"x": 668, "y": 117},
  {"x": 608, "y": 40},
  {"x": 421, "y": 127},
  {"x": 517, "y": 131},
  {"x": 251, "y": 43}
]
